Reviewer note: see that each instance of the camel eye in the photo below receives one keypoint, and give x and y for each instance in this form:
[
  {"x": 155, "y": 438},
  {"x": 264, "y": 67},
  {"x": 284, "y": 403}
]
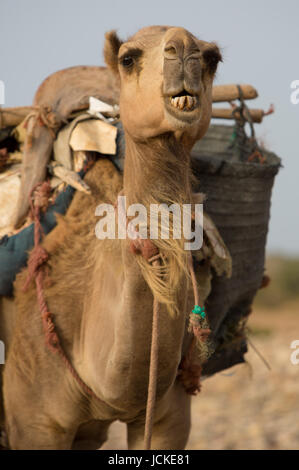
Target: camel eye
[
  {"x": 127, "y": 61},
  {"x": 130, "y": 58}
]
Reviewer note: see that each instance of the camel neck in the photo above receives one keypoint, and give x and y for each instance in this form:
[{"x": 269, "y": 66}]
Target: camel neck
[{"x": 156, "y": 171}]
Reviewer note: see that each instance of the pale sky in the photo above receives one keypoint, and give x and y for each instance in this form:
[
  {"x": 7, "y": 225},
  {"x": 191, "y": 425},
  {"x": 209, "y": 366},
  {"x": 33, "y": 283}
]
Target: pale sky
[{"x": 259, "y": 41}]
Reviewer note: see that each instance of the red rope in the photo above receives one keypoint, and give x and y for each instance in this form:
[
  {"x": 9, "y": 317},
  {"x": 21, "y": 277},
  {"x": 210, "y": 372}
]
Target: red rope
[
  {"x": 153, "y": 373},
  {"x": 38, "y": 257}
]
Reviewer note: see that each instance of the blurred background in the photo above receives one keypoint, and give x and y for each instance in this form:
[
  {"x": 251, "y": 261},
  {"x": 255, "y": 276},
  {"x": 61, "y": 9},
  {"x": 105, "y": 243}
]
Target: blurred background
[{"x": 250, "y": 406}]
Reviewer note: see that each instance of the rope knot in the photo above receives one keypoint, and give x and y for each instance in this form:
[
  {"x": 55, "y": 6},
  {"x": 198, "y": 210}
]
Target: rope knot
[
  {"x": 43, "y": 116},
  {"x": 199, "y": 326},
  {"x": 40, "y": 196},
  {"x": 38, "y": 257},
  {"x": 202, "y": 334},
  {"x": 51, "y": 337}
]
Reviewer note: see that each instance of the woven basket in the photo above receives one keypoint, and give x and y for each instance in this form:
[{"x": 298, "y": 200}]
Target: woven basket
[{"x": 238, "y": 201}]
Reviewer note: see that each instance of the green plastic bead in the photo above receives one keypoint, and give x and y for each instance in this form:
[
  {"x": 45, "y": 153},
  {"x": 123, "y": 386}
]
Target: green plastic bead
[{"x": 199, "y": 311}]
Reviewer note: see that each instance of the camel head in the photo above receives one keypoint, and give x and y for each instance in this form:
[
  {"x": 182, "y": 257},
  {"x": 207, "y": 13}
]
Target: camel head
[{"x": 166, "y": 76}]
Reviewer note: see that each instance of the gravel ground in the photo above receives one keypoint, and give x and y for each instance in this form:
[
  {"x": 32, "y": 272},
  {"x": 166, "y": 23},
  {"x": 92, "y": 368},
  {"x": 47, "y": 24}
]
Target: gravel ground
[{"x": 248, "y": 406}]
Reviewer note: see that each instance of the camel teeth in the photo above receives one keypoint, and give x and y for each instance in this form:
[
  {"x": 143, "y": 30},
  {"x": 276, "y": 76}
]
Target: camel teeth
[
  {"x": 190, "y": 102},
  {"x": 182, "y": 100},
  {"x": 174, "y": 102}
]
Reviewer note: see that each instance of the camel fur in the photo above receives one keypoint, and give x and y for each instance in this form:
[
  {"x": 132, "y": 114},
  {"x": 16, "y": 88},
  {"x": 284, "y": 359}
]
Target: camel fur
[{"x": 99, "y": 292}]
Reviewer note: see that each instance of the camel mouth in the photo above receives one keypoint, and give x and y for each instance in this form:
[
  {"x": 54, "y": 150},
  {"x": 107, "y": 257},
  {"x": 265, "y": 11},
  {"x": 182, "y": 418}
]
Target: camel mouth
[{"x": 184, "y": 101}]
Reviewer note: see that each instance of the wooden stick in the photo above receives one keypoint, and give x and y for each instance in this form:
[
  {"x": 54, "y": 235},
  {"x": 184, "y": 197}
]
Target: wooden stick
[
  {"x": 231, "y": 92},
  {"x": 69, "y": 177},
  {"x": 14, "y": 116},
  {"x": 221, "y": 113}
]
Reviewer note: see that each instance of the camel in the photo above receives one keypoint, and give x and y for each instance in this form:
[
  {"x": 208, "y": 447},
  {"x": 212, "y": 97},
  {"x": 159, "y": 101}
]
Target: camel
[{"x": 101, "y": 293}]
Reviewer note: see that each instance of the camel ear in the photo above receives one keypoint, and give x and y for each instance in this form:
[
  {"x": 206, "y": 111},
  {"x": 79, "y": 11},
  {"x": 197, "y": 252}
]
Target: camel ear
[
  {"x": 212, "y": 57},
  {"x": 111, "y": 48}
]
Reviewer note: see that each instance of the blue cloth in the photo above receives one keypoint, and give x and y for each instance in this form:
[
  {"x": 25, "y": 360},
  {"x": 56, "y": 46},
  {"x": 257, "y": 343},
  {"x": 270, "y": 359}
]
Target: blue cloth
[{"x": 14, "y": 249}]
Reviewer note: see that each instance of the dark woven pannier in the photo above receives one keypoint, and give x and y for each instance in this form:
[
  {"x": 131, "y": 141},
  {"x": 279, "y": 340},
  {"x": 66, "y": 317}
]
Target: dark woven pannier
[{"x": 238, "y": 201}]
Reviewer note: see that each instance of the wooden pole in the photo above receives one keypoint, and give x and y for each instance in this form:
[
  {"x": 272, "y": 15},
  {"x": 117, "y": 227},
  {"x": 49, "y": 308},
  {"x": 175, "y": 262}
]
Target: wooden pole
[
  {"x": 231, "y": 92},
  {"x": 12, "y": 117},
  {"x": 69, "y": 177},
  {"x": 221, "y": 113}
]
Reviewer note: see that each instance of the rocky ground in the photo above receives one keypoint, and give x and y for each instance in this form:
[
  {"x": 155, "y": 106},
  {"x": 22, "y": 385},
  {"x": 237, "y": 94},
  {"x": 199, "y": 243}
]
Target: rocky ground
[{"x": 248, "y": 406}]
